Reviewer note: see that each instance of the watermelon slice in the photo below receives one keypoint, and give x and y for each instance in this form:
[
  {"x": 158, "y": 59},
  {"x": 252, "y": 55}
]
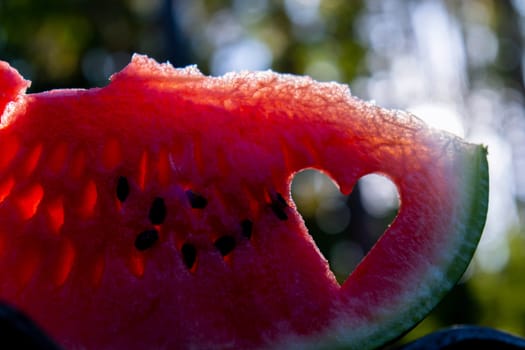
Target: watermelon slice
[{"x": 156, "y": 212}]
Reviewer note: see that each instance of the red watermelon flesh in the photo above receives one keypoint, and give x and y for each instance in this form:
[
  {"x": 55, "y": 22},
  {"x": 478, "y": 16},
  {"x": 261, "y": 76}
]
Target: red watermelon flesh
[{"x": 156, "y": 212}]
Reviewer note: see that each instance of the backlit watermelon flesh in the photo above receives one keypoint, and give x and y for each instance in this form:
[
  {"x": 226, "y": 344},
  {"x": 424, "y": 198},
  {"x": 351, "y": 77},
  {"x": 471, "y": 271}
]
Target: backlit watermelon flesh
[{"x": 156, "y": 212}]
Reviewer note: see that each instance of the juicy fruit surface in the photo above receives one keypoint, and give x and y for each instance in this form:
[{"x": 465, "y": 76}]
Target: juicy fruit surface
[{"x": 156, "y": 211}]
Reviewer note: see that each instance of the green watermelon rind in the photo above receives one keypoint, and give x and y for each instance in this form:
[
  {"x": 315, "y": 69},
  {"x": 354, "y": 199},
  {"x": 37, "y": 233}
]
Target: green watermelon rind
[{"x": 473, "y": 179}]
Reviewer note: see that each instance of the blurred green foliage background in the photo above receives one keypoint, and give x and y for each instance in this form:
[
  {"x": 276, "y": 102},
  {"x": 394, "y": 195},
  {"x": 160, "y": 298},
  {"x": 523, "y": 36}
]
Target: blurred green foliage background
[{"x": 458, "y": 65}]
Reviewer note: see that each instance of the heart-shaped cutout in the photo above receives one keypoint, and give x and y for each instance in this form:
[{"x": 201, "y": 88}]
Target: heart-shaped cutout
[{"x": 344, "y": 227}]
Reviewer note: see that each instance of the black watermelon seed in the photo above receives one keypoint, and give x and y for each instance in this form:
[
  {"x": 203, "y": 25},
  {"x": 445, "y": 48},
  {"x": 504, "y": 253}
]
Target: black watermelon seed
[
  {"x": 122, "y": 188},
  {"x": 225, "y": 244},
  {"x": 157, "y": 211},
  {"x": 146, "y": 239},
  {"x": 196, "y": 200},
  {"x": 247, "y": 227},
  {"x": 189, "y": 255},
  {"x": 278, "y": 206}
]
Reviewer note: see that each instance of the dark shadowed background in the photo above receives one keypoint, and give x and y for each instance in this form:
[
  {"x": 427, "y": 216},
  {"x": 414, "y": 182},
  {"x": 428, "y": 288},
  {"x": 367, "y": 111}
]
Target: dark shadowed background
[{"x": 458, "y": 65}]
